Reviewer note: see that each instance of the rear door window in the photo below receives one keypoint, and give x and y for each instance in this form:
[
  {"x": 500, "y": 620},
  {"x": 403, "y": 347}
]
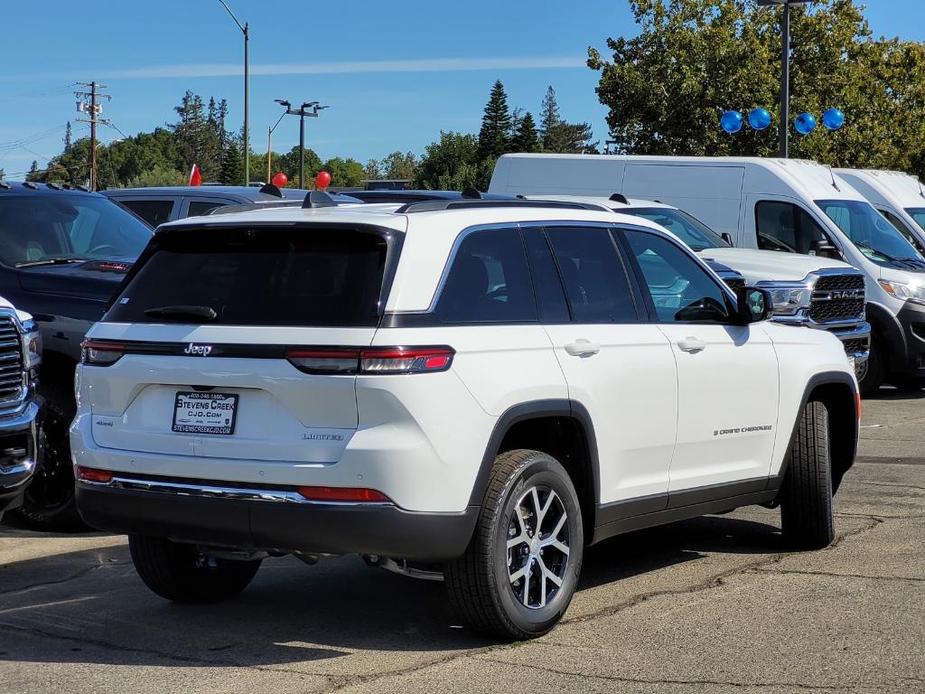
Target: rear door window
[
  {"x": 265, "y": 276},
  {"x": 154, "y": 212},
  {"x": 197, "y": 208},
  {"x": 489, "y": 281},
  {"x": 595, "y": 279}
]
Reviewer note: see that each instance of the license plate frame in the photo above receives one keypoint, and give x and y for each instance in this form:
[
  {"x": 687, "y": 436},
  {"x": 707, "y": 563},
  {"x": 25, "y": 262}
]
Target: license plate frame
[{"x": 220, "y": 426}]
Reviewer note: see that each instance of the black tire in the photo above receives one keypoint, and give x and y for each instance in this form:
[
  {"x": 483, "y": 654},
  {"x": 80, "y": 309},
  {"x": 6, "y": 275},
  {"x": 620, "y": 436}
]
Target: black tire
[
  {"x": 909, "y": 384},
  {"x": 182, "y": 573},
  {"x": 807, "y": 517},
  {"x": 49, "y": 503},
  {"x": 873, "y": 373},
  {"x": 479, "y": 582}
]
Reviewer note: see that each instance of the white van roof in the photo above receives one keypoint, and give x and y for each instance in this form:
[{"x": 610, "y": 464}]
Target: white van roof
[
  {"x": 898, "y": 188},
  {"x": 538, "y": 174}
]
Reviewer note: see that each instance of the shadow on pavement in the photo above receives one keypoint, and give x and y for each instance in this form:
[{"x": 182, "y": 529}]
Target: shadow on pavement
[{"x": 90, "y": 607}]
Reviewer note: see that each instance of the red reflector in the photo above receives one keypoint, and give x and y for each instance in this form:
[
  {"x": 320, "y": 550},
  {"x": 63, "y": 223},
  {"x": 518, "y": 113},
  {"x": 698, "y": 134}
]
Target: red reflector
[
  {"x": 89, "y": 474},
  {"x": 354, "y": 494}
]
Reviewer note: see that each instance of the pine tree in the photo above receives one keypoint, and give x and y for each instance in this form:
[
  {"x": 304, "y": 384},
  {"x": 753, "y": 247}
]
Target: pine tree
[
  {"x": 496, "y": 125},
  {"x": 549, "y": 114},
  {"x": 67, "y": 137},
  {"x": 232, "y": 171},
  {"x": 526, "y": 138}
]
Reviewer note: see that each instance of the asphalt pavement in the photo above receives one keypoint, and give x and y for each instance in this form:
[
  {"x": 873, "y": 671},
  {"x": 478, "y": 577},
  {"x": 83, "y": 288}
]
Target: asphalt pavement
[{"x": 709, "y": 605}]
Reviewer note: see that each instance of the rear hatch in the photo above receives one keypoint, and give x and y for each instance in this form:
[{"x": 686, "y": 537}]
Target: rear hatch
[{"x": 205, "y": 350}]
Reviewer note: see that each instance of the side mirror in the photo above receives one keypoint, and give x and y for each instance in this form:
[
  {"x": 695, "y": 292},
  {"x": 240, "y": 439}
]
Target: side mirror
[
  {"x": 824, "y": 249},
  {"x": 727, "y": 237},
  {"x": 753, "y": 305}
]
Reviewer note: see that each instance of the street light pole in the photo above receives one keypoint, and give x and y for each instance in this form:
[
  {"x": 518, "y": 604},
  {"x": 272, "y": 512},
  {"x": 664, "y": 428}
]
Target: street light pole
[
  {"x": 302, "y": 113},
  {"x": 785, "y": 84},
  {"x": 245, "y": 29},
  {"x": 784, "y": 125},
  {"x": 270, "y": 139}
]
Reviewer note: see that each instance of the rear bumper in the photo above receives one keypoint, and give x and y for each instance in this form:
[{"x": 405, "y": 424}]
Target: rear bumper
[
  {"x": 273, "y": 520},
  {"x": 18, "y": 450}
]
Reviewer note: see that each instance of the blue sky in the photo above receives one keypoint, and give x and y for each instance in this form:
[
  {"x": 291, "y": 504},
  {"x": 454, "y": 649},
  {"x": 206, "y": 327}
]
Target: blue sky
[{"x": 394, "y": 73}]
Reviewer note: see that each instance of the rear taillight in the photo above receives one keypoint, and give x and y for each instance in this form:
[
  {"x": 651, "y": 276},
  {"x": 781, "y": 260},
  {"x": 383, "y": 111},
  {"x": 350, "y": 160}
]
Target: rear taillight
[
  {"x": 100, "y": 352},
  {"x": 89, "y": 474},
  {"x": 372, "y": 360},
  {"x": 355, "y": 495}
]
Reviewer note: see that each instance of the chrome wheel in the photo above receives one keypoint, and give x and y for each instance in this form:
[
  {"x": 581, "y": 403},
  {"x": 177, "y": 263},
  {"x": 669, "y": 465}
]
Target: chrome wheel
[{"x": 537, "y": 547}]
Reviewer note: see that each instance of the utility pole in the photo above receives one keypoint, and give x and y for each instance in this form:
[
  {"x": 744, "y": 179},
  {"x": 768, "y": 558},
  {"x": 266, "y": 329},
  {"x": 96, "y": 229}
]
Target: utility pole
[{"x": 88, "y": 102}]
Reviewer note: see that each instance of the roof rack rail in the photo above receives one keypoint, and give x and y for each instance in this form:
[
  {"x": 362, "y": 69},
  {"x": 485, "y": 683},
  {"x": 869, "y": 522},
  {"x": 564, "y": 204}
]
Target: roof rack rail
[
  {"x": 251, "y": 206},
  {"x": 30, "y": 184},
  {"x": 5, "y": 185},
  {"x": 438, "y": 205},
  {"x": 53, "y": 186},
  {"x": 619, "y": 197}
]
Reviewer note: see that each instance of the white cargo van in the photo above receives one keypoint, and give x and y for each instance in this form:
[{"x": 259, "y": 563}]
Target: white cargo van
[
  {"x": 794, "y": 207},
  {"x": 896, "y": 195}
]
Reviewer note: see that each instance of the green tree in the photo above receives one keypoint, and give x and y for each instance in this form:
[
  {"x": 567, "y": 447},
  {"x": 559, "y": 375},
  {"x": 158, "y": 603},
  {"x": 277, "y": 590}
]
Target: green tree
[
  {"x": 157, "y": 176},
  {"x": 399, "y": 166},
  {"x": 289, "y": 165},
  {"x": 559, "y": 135},
  {"x": 345, "y": 173},
  {"x": 494, "y": 136},
  {"x": 373, "y": 170},
  {"x": 666, "y": 87},
  {"x": 452, "y": 163},
  {"x": 526, "y": 138},
  {"x": 232, "y": 164},
  {"x": 67, "y": 137}
]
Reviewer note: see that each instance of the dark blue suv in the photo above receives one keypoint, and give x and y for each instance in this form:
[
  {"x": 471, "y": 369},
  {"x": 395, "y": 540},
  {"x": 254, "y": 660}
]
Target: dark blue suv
[{"x": 63, "y": 254}]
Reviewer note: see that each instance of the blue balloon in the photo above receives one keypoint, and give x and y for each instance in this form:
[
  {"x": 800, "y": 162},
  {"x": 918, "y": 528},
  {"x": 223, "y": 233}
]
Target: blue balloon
[
  {"x": 731, "y": 122},
  {"x": 833, "y": 119},
  {"x": 805, "y": 123},
  {"x": 759, "y": 118}
]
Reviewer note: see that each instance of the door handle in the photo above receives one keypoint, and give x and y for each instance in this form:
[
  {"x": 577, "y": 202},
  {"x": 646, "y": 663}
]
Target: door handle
[
  {"x": 691, "y": 345},
  {"x": 582, "y": 348}
]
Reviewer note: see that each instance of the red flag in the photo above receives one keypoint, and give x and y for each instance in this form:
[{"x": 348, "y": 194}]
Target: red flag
[{"x": 195, "y": 176}]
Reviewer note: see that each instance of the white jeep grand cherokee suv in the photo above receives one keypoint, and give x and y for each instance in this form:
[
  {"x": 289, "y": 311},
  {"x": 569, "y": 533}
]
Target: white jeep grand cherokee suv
[{"x": 480, "y": 387}]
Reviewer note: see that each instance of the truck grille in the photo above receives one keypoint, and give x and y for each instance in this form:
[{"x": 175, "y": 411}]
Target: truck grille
[
  {"x": 838, "y": 298},
  {"x": 11, "y": 373},
  {"x": 856, "y": 346}
]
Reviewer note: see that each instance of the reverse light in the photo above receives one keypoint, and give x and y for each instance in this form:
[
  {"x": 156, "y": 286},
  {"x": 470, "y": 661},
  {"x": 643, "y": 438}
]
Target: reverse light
[
  {"x": 373, "y": 360},
  {"x": 356, "y": 495},
  {"x": 90, "y": 474},
  {"x": 100, "y": 352},
  {"x": 901, "y": 290}
]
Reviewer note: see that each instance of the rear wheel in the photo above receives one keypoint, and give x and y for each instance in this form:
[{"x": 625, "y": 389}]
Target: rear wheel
[
  {"x": 521, "y": 567},
  {"x": 807, "y": 516},
  {"x": 183, "y": 573}
]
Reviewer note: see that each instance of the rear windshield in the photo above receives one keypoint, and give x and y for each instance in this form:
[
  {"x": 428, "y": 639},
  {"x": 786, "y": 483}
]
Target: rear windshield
[{"x": 264, "y": 276}]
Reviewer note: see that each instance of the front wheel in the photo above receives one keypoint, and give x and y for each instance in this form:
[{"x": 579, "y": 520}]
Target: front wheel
[
  {"x": 807, "y": 516},
  {"x": 521, "y": 567},
  {"x": 183, "y": 573}
]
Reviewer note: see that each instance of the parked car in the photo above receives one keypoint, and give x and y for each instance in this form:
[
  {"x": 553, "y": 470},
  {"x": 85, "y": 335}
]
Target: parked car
[
  {"x": 20, "y": 406},
  {"x": 166, "y": 204},
  {"x": 897, "y": 196},
  {"x": 794, "y": 302},
  {"x": 791, "y": 206},
  {"x": 63, "y": 254},
  {"x": 475, "y": 388}
]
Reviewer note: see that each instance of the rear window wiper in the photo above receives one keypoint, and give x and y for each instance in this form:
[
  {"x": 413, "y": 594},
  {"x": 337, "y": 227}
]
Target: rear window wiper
[
  {"x": 206, "y": 313},
  {"x": 51, "y": 261}
]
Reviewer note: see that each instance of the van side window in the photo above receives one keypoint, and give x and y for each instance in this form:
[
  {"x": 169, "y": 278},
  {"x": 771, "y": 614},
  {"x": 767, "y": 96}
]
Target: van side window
[
  {"x": 595, "y": 280},
  {"x": 154, "y": 212},
  {"x": 201, "y": 207},
  {"x": 489, "y": 281},
  {"x": 783, "y": 226},
  {"x": 681, "y": 290}
]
